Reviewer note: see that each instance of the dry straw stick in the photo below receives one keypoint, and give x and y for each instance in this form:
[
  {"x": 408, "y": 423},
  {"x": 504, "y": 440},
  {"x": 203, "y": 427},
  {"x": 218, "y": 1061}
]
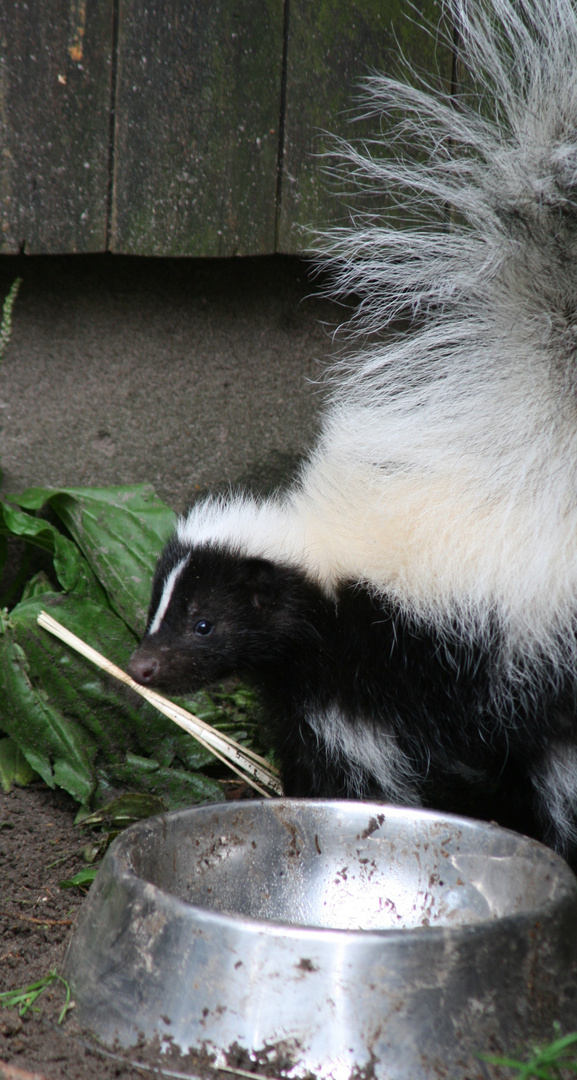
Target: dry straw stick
[{"x": 250, "y": 766}]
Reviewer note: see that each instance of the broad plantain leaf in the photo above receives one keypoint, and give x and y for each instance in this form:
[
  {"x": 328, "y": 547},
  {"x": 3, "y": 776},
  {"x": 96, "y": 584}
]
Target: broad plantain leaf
[
  {"x": 72, "y": 570},
  {"x": 76, "y": 726},
  {"x": 175, "y": 787},
  {"x": 14, "y": 769},
  {"x": 53, "y": 744},
  {"x": 70, "y": 719},
  {"x": 120, "y": 531}
]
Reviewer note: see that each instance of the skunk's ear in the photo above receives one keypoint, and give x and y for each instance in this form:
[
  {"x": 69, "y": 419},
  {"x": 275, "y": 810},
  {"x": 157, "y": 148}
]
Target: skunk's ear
[{"x": 262, "y": 580}]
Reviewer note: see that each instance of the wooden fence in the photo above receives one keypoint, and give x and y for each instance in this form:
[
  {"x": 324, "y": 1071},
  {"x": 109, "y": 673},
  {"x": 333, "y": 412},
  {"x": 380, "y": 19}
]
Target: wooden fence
[{"x": 184, "y": 127}]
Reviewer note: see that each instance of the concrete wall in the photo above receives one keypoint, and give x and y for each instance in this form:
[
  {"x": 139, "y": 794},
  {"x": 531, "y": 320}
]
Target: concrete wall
[{"x": 183, "y": 373}]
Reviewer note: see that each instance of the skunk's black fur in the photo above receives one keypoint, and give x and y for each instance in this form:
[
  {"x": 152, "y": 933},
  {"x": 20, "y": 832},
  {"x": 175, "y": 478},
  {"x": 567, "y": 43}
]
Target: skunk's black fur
[
  {"x": 361, "y": 701},
  {"x": 408, "y": 608}
]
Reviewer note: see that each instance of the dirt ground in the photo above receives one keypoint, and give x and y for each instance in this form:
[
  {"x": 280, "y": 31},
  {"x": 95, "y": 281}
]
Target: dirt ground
[{"x": 39, "y": 847}]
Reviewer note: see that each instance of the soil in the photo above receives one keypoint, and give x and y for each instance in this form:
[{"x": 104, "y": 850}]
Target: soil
[{"x": 40, "y": 847}]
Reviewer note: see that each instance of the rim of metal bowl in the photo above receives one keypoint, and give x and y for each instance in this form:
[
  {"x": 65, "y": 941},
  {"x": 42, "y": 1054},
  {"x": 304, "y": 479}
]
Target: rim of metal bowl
[{"x": 567, "y": 886}]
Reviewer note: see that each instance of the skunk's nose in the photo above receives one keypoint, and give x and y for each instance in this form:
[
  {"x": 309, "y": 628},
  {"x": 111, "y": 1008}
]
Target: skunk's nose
[{"x": 143, "y": 669}]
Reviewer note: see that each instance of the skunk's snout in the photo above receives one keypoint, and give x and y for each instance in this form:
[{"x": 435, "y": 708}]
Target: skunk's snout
[{"x": 143, "y": 668}]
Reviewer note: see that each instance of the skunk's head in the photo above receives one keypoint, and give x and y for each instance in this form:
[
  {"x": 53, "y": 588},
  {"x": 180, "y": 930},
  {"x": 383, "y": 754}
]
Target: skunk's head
[{"x": 216, "y": 613}]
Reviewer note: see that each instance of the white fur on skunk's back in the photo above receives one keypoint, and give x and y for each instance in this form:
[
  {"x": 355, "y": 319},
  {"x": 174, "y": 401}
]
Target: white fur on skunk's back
[{"x": 446, "y": 474}]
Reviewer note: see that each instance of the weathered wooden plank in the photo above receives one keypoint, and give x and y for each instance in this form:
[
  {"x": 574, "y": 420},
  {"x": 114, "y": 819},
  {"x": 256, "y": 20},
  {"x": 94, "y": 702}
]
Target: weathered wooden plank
[
  {"x": 55, "y": 65},
  {"x": 331, "y": 46},
  {"x": 197, "y": 118},
  {"x": 199, "y": 93}
]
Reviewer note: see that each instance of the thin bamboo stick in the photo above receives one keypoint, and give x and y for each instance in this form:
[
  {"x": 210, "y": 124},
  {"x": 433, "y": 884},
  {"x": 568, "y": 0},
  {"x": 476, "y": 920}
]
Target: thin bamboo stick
[{"x": 245, "y": 763}]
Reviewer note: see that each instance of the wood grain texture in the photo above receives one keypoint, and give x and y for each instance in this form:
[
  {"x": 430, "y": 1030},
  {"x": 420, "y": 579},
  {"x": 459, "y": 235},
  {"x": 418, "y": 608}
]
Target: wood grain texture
[
  {"x": 331, "y": 47},
  {"x": 55, "y": 71},
  {"x": 197, "y": 120},
  {"x": 209, "y": 99}
]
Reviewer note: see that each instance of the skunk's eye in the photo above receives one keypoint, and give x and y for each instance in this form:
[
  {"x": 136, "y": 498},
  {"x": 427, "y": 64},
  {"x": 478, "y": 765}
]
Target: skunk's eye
[{"x": 203, "y": 627}]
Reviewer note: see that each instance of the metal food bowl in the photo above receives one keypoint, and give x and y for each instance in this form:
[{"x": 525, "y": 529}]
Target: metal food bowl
[{"x": 333, "y": 939}]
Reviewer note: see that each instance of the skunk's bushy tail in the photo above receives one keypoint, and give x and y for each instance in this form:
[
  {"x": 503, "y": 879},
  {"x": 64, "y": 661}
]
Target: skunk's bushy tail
[
  {"x": 489, "y": 188},
  {"x": 467, "y": 421}
]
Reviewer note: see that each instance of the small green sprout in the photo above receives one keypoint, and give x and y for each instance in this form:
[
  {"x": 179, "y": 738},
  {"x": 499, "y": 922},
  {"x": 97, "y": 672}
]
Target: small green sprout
[
  {"x": 6, "y": 321},
  {"x": 556, "y": 1061},
  {"x": 24, "y": 998}
]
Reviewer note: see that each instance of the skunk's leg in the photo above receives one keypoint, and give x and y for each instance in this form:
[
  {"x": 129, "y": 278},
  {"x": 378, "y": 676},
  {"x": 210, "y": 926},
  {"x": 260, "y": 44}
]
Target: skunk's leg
[{"x": 331, "y": 755}]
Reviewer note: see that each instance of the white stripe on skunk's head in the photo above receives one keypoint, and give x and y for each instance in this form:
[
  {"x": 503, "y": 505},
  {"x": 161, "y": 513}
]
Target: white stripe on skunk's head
[
  {"x": 166, "y": 595},
  {"x": 241, "y": 524}
]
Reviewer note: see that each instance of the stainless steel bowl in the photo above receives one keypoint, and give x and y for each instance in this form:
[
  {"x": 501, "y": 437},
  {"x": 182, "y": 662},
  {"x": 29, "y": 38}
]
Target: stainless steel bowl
[{"x": 335, "y": 939}]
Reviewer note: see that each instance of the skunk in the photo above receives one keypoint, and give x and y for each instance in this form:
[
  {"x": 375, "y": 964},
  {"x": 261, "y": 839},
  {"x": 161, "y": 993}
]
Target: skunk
[{"x": 408, "y": 608}]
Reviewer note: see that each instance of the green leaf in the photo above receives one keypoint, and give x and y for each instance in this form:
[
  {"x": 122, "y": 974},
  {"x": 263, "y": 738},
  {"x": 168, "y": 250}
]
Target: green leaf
[
  {"x": 120, "y": 530},
  {"x": 77, "y": 727},
  {"x": 73, "y": 724},
  {"x": 54, "y": 746},
  {"x": 175, "y": 787},
  {"x": 116, "y": 816},
  {"x": 72, "y": 570},
  {"x": 76, "y": 687},
  {"x": 123, "y": 811},
  {"x": 82, "y": 880},
  {"x": 37, "y": 586},
  {"x": 14, "y": 769}
]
